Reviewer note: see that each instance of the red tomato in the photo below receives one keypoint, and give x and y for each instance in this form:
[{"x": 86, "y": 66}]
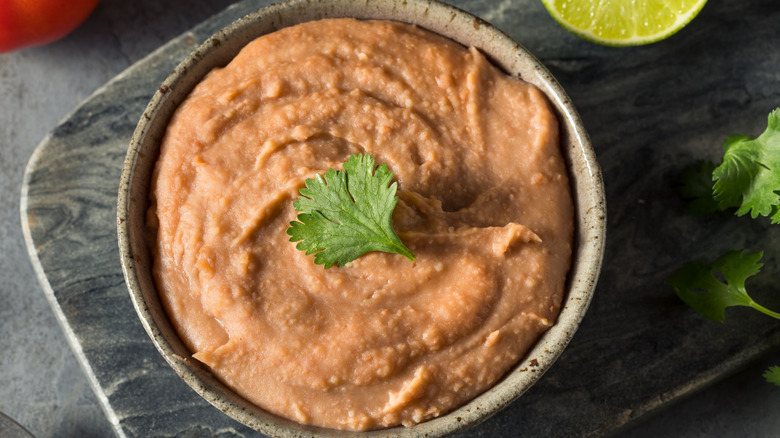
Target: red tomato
[{"x": 25, "y": 23}]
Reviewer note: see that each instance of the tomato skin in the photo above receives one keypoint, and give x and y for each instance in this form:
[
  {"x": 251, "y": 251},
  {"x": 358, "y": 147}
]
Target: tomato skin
[{"x": 25, "y": 23}]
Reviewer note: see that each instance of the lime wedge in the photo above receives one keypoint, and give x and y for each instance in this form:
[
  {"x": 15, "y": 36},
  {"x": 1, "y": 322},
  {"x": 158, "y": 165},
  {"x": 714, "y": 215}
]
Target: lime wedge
[{"x": 623, "y": 22}]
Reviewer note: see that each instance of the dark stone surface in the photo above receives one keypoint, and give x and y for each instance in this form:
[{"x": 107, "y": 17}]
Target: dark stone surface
[{"x": 649, "y": 110}]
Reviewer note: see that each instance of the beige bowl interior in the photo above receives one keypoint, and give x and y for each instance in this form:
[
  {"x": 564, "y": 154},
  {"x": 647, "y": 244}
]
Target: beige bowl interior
[{"x": 440, "y": 18}]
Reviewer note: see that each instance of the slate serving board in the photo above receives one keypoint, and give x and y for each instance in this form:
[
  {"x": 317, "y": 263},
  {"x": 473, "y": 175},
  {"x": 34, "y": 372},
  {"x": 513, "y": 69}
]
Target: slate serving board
[{"x": 650, "y": 111}]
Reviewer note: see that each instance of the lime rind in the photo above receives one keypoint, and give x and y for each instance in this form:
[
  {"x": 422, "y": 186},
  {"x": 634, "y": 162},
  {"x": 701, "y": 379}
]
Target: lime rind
[{"x": 627, "y": 22}]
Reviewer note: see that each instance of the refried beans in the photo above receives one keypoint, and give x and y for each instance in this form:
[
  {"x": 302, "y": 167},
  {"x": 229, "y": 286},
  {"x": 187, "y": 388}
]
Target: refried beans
[{"x": 484, "y": 203}]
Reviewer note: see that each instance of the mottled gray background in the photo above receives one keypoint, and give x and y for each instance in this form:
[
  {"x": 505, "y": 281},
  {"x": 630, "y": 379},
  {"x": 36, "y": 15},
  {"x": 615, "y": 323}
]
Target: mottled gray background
[{"x": 705, "y": 91}]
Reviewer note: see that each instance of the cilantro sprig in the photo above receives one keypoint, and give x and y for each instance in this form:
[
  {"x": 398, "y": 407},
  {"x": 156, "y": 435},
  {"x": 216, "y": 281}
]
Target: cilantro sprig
[
  {"x": 748, "y": 179},
  {"x": 347, "y": 213},
  {"x": 772, "y": 375},
  {"x": 717, "y": 295},
  {"x": 750, "y": 172},
  {"x": 696, "y": 186}
]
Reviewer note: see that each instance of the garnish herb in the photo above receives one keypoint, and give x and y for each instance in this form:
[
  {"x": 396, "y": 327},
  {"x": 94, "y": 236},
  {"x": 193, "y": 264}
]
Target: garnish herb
[
  {"x": 735, "y": 269},
  {"x": 696, "y": 186},
  {"x": 749, "y": 176},
  {"x": 347, "y": 213},
  {"x": 772, "y": 375},
  {"x": 747, "y": 179}
]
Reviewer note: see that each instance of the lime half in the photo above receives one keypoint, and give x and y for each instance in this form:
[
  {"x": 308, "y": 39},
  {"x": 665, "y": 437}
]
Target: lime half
[{"x": 623, "y": 22}]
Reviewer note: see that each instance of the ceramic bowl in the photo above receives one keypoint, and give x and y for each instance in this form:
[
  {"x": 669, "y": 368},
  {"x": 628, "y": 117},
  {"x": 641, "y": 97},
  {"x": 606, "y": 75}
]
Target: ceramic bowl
[{"x": 440, "y": 18}]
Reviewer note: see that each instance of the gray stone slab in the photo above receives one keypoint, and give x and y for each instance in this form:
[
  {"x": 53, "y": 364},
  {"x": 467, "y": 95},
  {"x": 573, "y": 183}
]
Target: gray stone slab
[{"x": 650, "y": 111}]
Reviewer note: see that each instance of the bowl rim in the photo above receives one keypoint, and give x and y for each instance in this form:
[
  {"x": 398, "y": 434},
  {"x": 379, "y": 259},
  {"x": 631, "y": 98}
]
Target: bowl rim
[{"x": 584, "y": 173}]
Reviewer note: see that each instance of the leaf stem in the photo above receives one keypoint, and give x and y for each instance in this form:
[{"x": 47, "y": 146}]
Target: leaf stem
[{"x": 764, "y": 310}]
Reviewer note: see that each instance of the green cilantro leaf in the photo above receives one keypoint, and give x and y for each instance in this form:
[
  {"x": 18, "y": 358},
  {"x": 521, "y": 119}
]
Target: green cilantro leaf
[
  {"x": 696, "y": 186},
  {"x": 347, "y": 213},
  {"x": 698, "y": 275},
  {"x": 772, "y": 375},
  {"x": 749, "y": 176}
]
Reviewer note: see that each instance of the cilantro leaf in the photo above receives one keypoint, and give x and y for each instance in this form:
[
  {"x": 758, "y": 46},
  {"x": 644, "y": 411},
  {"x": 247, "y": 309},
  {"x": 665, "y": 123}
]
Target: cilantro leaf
[
  {"x": 347, "y": 213},
  {"x": 696, "y": 186},
  {"x": 749, "y": 176},
  {"x": 735, "y": 269},
  {"x": 772, "y": 375}
]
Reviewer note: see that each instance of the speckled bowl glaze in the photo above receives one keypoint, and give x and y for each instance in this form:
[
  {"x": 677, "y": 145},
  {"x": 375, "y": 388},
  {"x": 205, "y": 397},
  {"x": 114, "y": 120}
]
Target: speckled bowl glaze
[{"x": 443, "y": 19}]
